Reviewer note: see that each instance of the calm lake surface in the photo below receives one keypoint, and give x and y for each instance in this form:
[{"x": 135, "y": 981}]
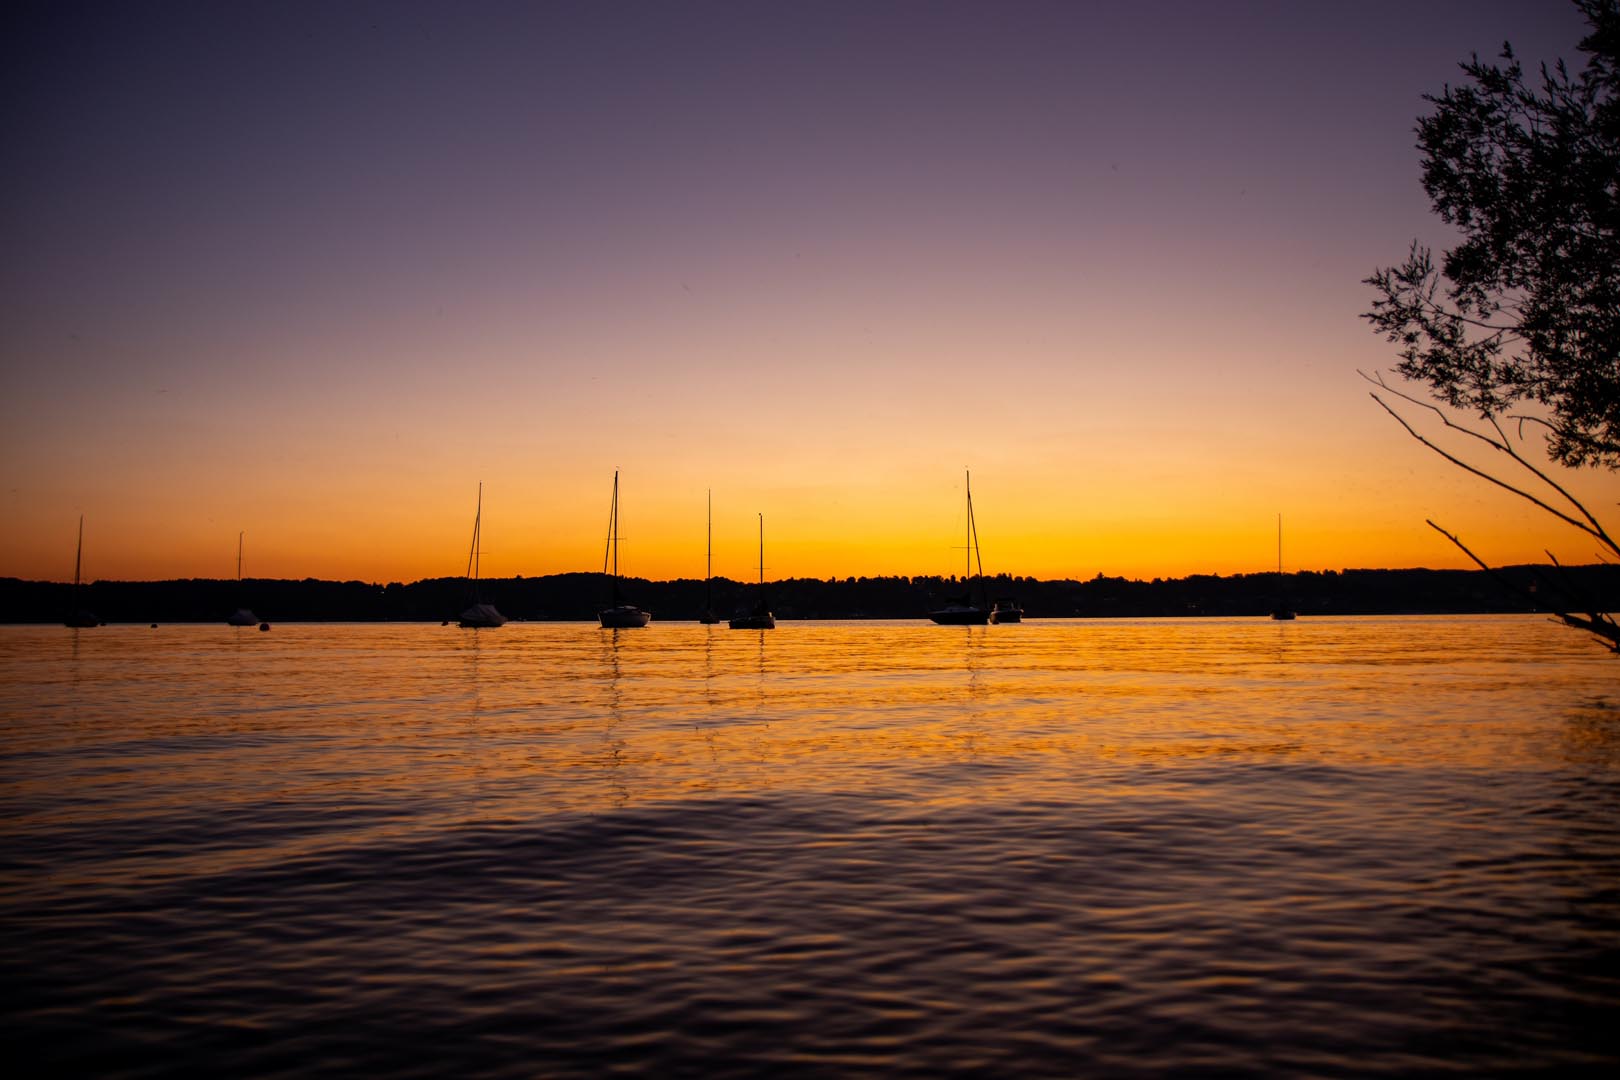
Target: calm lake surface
[{"x": 1350, "y": 847}]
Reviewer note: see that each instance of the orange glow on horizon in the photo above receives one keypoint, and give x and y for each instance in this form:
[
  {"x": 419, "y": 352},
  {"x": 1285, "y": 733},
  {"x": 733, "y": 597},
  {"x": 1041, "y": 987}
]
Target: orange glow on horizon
[
  {"x": 1029, "y": 525},
  {"x": 1134, "y": 316}
]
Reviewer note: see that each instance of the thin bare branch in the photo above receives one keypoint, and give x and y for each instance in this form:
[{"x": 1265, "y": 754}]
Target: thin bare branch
[
  {"x": 1573, "y": 436},
  {"x": 1598, "y": 624},
  {"x": 1558, "y": 581},
  {"x": 1591, "y": 525},
  {"x": 1481, "y": 473},
  {"x": 1479, "y": 562}
]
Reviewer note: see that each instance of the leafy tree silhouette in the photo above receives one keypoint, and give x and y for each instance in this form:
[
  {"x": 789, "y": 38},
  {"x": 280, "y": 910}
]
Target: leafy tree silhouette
[{"x": 1525, "y": 311}]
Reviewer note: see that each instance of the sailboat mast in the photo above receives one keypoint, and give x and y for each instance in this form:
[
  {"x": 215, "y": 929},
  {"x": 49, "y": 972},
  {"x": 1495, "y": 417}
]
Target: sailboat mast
[
  {"x": 239, "y": 536},
  {"x": 478, "y": 534},
  {"x": 78, "y": 554},
  {"x": 973, "y": 529},
  {"x": 973, "y": 536},
  {"x": 611, "y": 551},
  {"x": 967, "y": 548},
  {"x": 472, "y": 552},
  {"x": 708, "y": 561},
  {"x": 1279, "y": 545},
  {"x": 762, "y": 551},
  {"x": 613, "y": 506}
]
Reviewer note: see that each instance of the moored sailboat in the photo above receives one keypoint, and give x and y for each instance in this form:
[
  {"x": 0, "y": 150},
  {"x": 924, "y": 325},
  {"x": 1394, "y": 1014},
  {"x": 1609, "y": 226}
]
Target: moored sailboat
[
  {"x": 760, "y": 618},
  {"x": 79, "y": 617},
  {"x": 961, "y": 610},
  {"x": 708, "y": 617},
  {"x": 480, "y": 616},
  {"x": 619, "y": 615},
  {"x": 241, "y": 616},
  {"x": 1282, "y": 612}
]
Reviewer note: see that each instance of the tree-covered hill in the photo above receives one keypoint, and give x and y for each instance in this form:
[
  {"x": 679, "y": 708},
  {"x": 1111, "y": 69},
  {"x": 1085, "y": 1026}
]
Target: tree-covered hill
[{"x": 580, "y": 596}]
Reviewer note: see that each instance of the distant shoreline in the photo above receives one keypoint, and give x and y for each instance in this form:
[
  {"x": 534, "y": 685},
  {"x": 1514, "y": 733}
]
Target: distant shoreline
[
  {"x": 579, "y": 596},
  {"x": 593, "y": 624}
]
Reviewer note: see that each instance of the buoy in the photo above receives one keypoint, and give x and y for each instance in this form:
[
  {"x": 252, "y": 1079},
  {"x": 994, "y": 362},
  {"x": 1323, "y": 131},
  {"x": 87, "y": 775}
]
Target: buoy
[
  {"x": 264, "y": 626},
  {"x": 154, "y": 626}
]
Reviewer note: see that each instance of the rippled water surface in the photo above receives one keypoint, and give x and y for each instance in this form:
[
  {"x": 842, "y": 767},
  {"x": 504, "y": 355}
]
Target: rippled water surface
[{"x": 1333, "y": 847}]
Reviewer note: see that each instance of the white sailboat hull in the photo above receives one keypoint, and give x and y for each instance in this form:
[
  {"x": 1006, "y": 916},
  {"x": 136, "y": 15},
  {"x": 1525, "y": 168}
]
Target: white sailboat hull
[
  {"x": 482, "y": 617},
  {"x": 960, "y": 616},
  {"x": 624, "y": 617}
]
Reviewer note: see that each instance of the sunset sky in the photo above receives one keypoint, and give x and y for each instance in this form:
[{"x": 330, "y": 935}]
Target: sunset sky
[{"x": 314, "y": 271}]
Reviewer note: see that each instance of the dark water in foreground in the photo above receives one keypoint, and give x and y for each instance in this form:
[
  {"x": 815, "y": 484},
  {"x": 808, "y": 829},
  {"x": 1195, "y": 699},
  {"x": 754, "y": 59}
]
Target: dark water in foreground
[{"x": 1338, "y": 847}]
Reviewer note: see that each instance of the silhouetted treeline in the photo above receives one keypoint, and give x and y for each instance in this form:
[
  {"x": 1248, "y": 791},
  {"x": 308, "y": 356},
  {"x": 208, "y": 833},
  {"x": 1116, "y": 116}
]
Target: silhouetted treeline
[{"x": 580, "y": 596}]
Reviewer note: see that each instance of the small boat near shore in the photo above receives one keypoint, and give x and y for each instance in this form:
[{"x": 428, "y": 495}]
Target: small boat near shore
[{"x": 1006, "y": 610}]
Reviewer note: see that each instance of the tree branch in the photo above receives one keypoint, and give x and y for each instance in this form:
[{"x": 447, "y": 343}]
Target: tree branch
[
  {"x": 1572, "y": 436},
  {"x": 1596, "y": 623},
  {"x": 1591, "y": 526},
  {"x": 1447, "y": 313}
]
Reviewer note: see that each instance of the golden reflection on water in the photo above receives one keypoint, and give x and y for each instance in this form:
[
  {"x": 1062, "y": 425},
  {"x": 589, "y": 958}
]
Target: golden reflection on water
[
  {"x": 893, "y": 844},
  {"x": 567, "y": 716}
]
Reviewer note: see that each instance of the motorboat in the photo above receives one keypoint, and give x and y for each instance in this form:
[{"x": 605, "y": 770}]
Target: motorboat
[{"x": 1006, "y": 610}]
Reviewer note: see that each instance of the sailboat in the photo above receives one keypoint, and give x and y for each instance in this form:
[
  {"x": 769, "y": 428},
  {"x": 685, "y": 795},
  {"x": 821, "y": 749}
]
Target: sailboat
[
  {"x": 760, "y": 618},
  {"x": 480, "y": 616},
  {"x": 241, "y": 616},
  {"x": 962, "y": 611},
  {"x": 1282, "y": 611},
  {"x": 620, "y": 615},
  {"x": 79, "y": 616},
  {"x": 709, "y": 617}
]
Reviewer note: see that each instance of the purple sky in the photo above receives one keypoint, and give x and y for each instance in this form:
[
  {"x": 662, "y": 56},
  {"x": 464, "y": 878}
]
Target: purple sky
[{"x": 271, "y": 265}]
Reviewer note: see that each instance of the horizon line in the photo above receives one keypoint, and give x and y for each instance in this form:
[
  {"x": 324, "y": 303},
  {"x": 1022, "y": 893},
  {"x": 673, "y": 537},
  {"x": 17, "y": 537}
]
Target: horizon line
[{"x": 842, "y": 579}]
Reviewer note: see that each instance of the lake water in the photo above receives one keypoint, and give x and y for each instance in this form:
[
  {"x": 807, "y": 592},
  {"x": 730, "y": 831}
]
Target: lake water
[{"x": 1350, "y": 847}]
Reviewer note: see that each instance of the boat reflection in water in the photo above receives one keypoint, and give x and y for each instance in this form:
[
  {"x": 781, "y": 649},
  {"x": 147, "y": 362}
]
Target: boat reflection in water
[
  {"x": 1099, "y": 847},
  {"x": 1110, "y": 847}
]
